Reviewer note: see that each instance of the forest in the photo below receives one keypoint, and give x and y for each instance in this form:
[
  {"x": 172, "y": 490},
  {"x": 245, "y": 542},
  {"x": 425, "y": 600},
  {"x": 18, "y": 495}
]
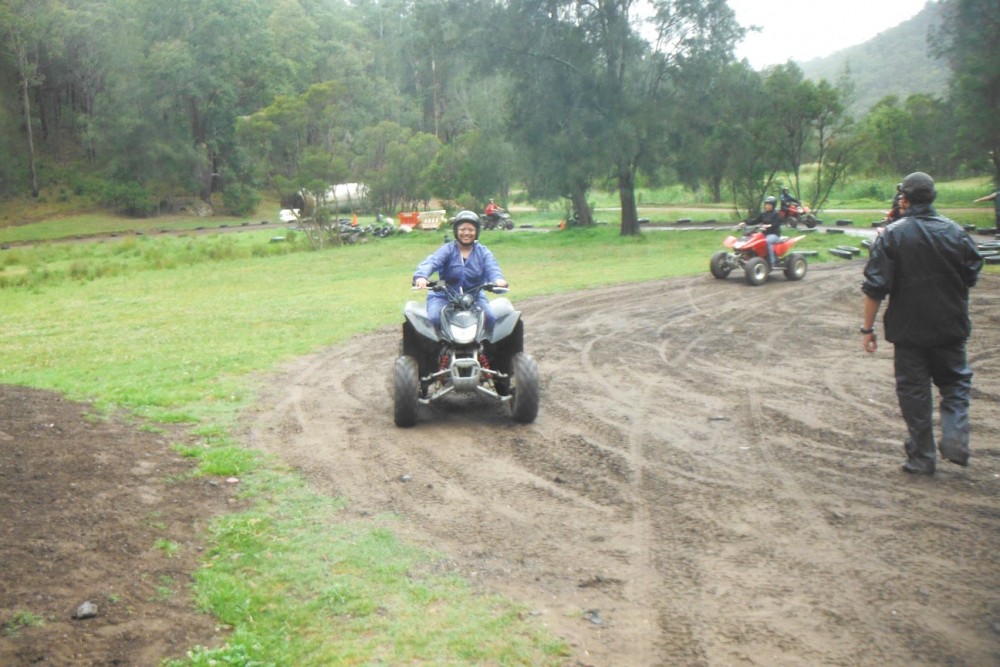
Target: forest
[{"x": 144, "y": 106}]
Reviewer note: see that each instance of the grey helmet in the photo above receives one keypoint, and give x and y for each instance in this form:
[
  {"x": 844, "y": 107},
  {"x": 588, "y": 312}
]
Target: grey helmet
[
  {"x": 770, "y": 200},
  {"x": 465, "y": 216}
]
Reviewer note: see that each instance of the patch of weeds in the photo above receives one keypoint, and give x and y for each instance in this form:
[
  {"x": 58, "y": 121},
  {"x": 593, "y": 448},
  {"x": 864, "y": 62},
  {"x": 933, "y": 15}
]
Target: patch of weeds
[
  {"x": 165, "y": 589},
  {"x": 168, "y": 547},
  {"x": 226, "y": 461},
  {"x": 231, "y": 654},
  {"x": 155, "y": 521},
  {"x": 79, "y": 270},
  {"x": 22, "y": 619},
  {"x": 96, "y": 418}
]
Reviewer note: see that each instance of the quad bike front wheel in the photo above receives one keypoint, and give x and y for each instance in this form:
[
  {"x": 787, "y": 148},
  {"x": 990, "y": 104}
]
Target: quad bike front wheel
[
  {"x": 795, "y": 266},
  {"x": 719, "y": 265},
  {"x": 524, "y": 388},
  {"x": 757, "y": 271},
  {"x": 406, "y": 391}
]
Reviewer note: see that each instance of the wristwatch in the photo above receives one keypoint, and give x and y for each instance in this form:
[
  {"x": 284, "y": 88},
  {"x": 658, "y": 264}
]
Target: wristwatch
[{"x": 867, "y": 331}]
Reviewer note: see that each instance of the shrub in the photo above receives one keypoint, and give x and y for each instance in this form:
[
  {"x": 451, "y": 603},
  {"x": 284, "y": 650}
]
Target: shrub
[
  {"x": 130, "y": 199},
  {"x": 240, "y": 200}
]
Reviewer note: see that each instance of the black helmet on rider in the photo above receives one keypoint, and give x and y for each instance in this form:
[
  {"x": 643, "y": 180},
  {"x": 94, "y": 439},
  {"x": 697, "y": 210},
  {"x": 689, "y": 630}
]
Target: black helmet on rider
[{"x": 465, "y": 217}]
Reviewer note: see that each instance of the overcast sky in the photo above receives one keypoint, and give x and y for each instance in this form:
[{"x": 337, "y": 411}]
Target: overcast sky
[{"x": 801, "y": 30}]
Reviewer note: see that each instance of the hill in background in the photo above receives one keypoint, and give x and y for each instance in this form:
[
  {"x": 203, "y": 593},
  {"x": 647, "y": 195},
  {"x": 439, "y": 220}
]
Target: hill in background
[{"x": 897, "y": 61}]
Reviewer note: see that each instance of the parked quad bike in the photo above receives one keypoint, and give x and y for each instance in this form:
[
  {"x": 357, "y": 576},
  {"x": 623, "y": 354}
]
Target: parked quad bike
[
  {"x": 499, "y": 219},
  {"x": 796, "y": 214},
  {"x": 464, "y": 356},
  {"x": 749, "y": 253}
]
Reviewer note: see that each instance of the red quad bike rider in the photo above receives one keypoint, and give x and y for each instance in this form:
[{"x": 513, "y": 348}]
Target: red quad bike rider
[
  {"x": 793, "y": 211},
  {"x": 495, "y": 217},
  {"x": 751, "y": 252}
]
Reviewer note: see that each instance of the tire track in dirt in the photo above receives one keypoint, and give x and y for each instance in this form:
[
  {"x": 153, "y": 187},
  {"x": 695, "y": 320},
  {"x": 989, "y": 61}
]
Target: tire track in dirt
[{"x": 713, "y": 470}]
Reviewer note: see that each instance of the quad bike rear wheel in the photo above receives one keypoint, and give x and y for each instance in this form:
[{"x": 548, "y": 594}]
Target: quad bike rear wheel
[
  {"x": 524, "y": 387},
  {"x": 406, "y": 391}
]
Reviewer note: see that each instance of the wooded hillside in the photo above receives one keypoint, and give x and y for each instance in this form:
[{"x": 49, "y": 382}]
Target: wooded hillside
[{"x": 898, "y": 61}]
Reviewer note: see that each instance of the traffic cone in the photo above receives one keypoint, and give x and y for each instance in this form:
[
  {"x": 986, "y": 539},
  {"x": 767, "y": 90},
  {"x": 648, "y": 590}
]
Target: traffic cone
[{"x": 354, "y": 220}]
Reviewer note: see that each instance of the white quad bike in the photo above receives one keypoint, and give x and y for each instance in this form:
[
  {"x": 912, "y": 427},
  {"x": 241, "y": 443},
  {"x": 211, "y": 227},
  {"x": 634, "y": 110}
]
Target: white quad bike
[{"x": 464, "y": 356}]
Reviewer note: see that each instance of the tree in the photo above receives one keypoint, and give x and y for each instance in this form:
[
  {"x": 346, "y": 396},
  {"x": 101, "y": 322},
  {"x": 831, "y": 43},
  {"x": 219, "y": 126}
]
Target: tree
[
  {"x": 24, "y": 24},
  {"x": 753, "y": 139},
  {"x": 393, "y": 162},
  {"x": 970, "y": 40},
  {"x": 795, "y": 108},
  {"x": 556, "y": 118},
  {"x": 836, "y": 143},
  {"x": 889, "y": 136},
  {"x": 710, "y": 109},
  {"x": 622, "y": 55}
]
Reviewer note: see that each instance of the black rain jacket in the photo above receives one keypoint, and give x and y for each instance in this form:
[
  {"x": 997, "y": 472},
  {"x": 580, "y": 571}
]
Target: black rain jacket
[{"x": 925, "y": 263}]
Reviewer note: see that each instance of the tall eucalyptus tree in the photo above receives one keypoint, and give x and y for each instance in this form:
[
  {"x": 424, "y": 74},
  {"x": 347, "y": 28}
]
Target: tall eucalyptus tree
[{"x": 612, "y": 66}]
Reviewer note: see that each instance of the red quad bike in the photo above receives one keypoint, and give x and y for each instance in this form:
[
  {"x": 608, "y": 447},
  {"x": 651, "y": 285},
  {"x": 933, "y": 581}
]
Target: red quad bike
[
  {"x": 796, "y": 213},
  {"x": 749, "y": 252}
]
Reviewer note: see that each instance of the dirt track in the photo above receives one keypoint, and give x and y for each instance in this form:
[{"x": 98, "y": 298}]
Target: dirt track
[{"x": 713, "y": 478}]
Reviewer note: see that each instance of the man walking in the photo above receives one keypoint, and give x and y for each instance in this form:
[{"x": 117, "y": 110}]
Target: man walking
[{"x": 925, "y": 264}]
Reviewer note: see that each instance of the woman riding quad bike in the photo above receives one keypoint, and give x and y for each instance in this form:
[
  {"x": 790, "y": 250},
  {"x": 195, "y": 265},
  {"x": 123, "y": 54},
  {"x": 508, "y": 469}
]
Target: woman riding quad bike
[{"x": 459, "y": 341}]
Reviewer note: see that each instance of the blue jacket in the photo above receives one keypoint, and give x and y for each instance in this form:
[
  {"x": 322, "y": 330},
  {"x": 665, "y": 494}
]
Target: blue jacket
[{"x": 481, "y": 266}]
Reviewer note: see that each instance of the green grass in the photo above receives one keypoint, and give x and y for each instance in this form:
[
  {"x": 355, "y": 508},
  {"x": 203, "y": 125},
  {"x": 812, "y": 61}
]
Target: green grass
[
  {"x": 21, "y": 619},
  {"x": 344, "y": 594},
  {"x": 174, "y": 330}
]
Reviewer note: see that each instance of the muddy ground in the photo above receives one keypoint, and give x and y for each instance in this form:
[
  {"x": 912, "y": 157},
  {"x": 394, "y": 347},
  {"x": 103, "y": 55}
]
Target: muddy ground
[
  {"x": 95, "y": 510},
  {"x": 713, "y": 479}
]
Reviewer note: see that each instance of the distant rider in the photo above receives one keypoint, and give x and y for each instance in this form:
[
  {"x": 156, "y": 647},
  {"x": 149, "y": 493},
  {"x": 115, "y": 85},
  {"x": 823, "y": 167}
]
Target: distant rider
[
  {"x": 786, "y": 201},
  {"x": 462, "y": 264},
  {"x": 491, "y": 209},
  {"x": 770, "y": 224}
]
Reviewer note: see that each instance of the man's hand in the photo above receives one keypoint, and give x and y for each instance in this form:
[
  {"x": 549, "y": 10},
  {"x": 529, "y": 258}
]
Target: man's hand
[
  {"x": 869, "y": 342},
  {"x": 420, "y": 283},
  {"x": 500, "y": 282}
]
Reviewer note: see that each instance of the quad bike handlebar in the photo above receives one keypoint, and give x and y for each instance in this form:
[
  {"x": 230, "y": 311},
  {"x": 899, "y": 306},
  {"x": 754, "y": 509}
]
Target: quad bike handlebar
[{"x": 441, "y": 286}]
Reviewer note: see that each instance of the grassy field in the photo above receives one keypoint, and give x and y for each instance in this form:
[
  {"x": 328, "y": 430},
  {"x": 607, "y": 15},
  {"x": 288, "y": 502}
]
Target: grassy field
[{"x": 173, "y": 329}]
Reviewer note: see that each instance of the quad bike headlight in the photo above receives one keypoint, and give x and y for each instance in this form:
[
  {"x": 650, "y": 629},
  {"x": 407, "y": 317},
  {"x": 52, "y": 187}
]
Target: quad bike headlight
[{"x": 462, "y": 335}]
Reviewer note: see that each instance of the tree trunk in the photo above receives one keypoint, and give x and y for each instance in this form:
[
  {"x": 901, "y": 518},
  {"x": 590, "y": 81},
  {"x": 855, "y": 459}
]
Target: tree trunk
[
  {"x": 715, "y": 187},
  {"x": 626, "y": 190},
  {"x": 581, "y": 209},
  {"x": 27, "y": 124}
]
